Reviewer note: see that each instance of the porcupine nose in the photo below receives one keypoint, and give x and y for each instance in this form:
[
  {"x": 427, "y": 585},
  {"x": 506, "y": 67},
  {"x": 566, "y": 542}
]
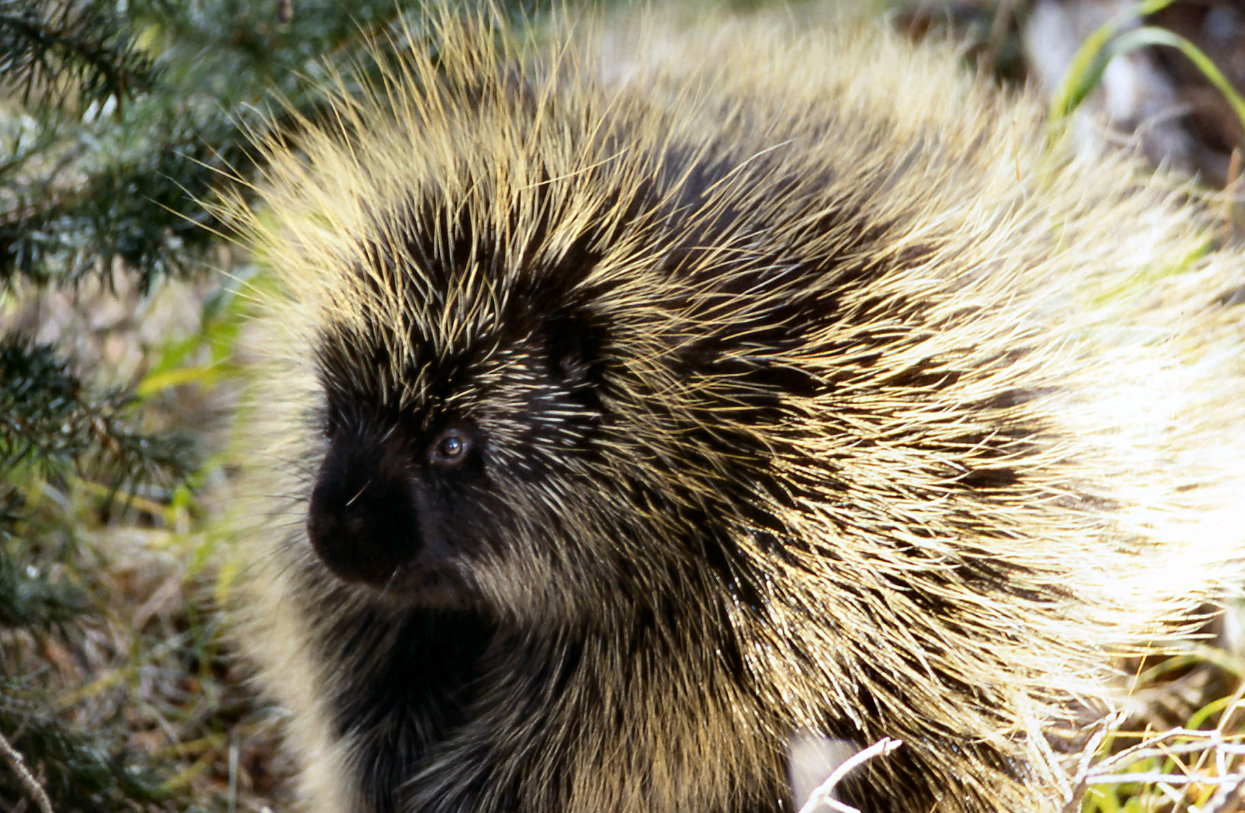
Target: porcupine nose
[{"x": 362, "y": 518}]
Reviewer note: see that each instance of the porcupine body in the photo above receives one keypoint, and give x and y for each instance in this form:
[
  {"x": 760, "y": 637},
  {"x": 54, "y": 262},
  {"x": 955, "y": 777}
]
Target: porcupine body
[{"x": 638, "y": 408}]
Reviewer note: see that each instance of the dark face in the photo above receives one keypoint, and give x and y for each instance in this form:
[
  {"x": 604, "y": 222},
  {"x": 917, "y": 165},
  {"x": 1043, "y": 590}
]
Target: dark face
[
  {"x": 446, "y": 476},
  {"x": 387, "y": 508}
]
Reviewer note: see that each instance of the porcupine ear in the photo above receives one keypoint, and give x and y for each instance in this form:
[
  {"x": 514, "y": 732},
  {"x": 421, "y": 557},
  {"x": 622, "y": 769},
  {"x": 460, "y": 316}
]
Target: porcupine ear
[{"x": 575, "y": 345}]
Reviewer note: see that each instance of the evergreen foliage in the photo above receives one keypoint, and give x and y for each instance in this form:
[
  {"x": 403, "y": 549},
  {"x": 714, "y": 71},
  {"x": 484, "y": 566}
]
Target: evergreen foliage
[
  {"x": 54, "y": 428},
  {"x": 81, "y": 49}
]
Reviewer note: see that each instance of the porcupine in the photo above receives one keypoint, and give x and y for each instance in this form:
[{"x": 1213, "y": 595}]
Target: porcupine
[{"x": 640, "y": 406}]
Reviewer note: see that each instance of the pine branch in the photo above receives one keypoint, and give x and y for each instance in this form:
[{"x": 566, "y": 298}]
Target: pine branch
[
  {"x": 29, "y": 598},
  {"x": 49, "y": 49},
  {"x": 52, "y": 421},
  {"x": 141, "y": 213}
]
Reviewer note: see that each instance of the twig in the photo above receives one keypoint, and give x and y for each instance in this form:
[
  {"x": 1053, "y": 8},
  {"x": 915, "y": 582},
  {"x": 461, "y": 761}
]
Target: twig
[
  {"x": 1080, "y": 781},
  {"x": 18, "y": 764},
  {"x": 1225, "y": 799},
  {"x": 1197, "y": 741},
  {"x": 1157, "y": 777},
  {"x": 998, "y": 32},
  {"x": 1211, "y": 740},
  {"x": 821, "y": 796}
]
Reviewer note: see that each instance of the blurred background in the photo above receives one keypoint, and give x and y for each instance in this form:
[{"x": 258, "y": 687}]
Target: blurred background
[{"x": 122, "y": 300}]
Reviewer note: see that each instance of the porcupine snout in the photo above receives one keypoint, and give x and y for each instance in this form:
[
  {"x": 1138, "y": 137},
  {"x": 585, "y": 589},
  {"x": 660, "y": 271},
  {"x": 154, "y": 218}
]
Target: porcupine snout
[{"x": 363, "y": 519}]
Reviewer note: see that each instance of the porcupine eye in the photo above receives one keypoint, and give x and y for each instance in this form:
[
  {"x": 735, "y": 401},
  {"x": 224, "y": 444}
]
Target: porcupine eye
[
  {"x": 450, "y": 448},
  {"x": 332, "y": 421}
]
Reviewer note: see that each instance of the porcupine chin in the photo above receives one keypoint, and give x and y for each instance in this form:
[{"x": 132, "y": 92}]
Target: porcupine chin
[{"x": 640, "y": 406}]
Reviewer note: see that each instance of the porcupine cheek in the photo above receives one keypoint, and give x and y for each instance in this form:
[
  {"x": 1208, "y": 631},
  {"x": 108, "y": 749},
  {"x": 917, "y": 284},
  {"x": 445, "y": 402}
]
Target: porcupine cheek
[{"x": 362, "y": 520}]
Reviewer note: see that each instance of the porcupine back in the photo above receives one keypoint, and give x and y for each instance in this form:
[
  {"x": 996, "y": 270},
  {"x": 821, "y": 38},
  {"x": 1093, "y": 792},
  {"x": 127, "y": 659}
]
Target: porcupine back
[{"x": 820, "y": 393}]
